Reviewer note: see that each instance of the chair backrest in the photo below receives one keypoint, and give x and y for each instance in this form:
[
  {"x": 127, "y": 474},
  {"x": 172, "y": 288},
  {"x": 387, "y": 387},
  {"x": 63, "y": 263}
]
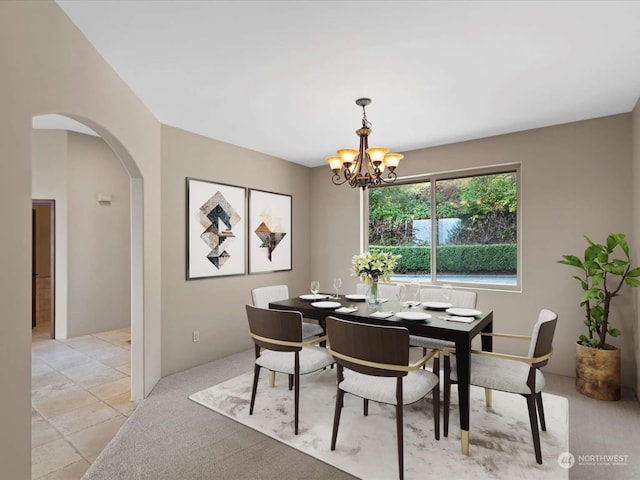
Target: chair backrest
[
  {"x": 458, "y": 298},
  {"x": 386, "y": 290},
  {"x": 542, "y": 336},
  {"x": 283, "y": 325},
  {"x": 373, "y": 343},
  {"x": 261, "y": 296}
]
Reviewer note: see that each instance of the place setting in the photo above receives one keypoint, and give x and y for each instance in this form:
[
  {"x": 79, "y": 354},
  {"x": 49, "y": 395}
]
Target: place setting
[
  {"x": 326, "y": 301},
  {"x": 463, "y": 315}
]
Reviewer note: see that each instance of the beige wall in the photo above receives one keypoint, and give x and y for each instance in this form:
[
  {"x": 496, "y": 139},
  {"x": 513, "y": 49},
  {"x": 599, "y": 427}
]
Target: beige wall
[
  {"x": 92, "y": 281},
  {"x": 49, "y": 181},
  {"x": 49, "y": 67},
  {"x": 635, "y": 167},
  {"x": 564, "y": 170},
  {"x": 99, "y": 283},
  {"x": 215, "y": 306}
]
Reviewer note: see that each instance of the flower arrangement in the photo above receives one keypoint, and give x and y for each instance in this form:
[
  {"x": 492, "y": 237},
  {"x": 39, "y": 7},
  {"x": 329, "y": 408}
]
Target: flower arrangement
[{"x": 374, "y": 266}]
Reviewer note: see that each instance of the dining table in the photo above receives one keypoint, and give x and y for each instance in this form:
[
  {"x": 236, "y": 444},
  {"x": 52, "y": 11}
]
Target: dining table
[{"x": 437, "y": 326}]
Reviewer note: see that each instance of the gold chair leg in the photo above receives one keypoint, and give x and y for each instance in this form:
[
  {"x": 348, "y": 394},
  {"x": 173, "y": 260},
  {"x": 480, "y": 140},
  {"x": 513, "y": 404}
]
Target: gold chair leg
[
  {"x": 272, "y": 379},
  {"x": 464, "y": 442},
  {"x": 488, "y": 397}
]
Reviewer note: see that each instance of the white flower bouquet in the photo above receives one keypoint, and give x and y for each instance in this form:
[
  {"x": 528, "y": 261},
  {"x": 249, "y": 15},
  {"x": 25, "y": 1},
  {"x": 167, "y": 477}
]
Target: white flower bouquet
[{"x": 374, "y": 266}]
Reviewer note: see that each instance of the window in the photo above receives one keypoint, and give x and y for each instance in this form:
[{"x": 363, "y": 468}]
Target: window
[{"x": 472, "y": 220}]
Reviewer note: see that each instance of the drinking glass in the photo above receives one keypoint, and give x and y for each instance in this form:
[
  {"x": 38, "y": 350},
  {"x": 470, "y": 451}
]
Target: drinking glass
[
  {"x": 315, "y": 288},
  {"x": 446, "y": 293},
  {"x": 401, "y": 292},
  {"x": 337, "y": 283},
  {"x": 414, "y": 289}
]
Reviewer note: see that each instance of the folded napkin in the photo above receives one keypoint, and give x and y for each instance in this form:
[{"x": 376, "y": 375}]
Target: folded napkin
[
  {"x": 381, "y": 314},
  {"x": 346, "y": 309},
  {"x": 453, "y": 318}
]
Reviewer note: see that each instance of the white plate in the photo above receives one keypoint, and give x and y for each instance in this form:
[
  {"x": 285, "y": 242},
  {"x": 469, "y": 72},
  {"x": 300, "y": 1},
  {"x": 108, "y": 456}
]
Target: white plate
[
  {"x": 356, "y": 296},
  {"x": 463, "y": 312},
  {"x": 326, "y": 304},
  {"x": 413, "y": 315},
  {"x": 436, "y": 305},
  {"x": 311, "y": 296}
]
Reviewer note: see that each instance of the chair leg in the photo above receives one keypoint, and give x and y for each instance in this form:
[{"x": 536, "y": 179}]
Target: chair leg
[
  {"x": 488, "y": 397},
  {"x": 399, "y": 434},
  {"x": 256, "y": 375},
  {"x": 424, "y": 353},
  {"x": 297, "y": 391},
  {"x": 336, "y": 418},
  {"x": 436, "y": 410},
  {"x": 447, "y": 394},
  {"x": 533, "y": 419},
  {"x": 290, "y": 382},
  {"x": 436, "y": 365},
  {"x": 543, "y": 424},
  {"x": 272, "y": 379},
  {"x": 365, "y": 406}
]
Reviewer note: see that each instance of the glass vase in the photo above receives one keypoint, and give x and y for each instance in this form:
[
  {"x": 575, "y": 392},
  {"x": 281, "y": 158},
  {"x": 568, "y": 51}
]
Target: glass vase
[{"x": 373, "y": 298}]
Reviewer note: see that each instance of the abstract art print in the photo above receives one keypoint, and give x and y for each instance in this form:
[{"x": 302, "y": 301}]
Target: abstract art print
[
  {"x": 216, "y": 229},
  {"x": 269, "y": 231}
]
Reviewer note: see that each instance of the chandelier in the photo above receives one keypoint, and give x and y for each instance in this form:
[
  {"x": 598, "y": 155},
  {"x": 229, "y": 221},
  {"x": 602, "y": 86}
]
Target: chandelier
[{"x": 364, "y": 167}]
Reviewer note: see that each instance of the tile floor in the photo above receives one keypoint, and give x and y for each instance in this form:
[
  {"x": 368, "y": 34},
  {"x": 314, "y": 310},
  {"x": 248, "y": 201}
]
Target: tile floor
[{"x": 80, "y": 399}]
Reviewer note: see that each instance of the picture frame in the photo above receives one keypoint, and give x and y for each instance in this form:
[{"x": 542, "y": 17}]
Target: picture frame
[
  {"x": 270, "y": 231},
  {"x": 216, "y": 229}
]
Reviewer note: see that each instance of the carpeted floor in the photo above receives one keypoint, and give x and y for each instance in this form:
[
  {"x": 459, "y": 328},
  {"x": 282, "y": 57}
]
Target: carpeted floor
[
  {"x": 501, "y": 444},
  {"x": 169, "y": 437}
]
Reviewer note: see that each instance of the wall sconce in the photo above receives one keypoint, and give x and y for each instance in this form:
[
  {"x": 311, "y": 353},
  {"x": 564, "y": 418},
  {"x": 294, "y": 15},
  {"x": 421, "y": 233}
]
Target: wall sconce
[{"x": 104, "y": 199}]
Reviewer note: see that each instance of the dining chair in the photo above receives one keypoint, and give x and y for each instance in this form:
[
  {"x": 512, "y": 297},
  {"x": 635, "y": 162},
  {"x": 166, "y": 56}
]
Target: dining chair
[
  {"x": 457, "y": 298},
  {"x": 515, "y": 373},
  {"x": 373, "y": 363},
  {"x": 386, "y": 290},
  {"x": 279, "y": 347},
  {"x": 262, "y": 296}
]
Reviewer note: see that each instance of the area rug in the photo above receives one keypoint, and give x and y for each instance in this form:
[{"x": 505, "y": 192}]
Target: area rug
[{"x": 500, "y": 439}]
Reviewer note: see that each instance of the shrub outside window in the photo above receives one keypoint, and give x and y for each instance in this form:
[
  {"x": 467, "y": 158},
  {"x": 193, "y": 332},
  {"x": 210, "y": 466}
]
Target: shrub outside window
[{"x": 471, "y": 219}]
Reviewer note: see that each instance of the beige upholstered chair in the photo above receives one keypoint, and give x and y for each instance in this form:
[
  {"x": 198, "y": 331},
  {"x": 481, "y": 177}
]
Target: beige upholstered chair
[
  {"x": 457, "y": 298},
  {"x": 385, "y": 290},
  {"x": 515, "y": 374},
  {"x": 277, "y": 335},
  {"x": 262, "y": 296},
  {"x": 373, "y": 363}
]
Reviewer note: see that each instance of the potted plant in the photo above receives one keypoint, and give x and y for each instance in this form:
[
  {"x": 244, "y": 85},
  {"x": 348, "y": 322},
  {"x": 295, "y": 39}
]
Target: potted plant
[{"x": 606, "y": 268}]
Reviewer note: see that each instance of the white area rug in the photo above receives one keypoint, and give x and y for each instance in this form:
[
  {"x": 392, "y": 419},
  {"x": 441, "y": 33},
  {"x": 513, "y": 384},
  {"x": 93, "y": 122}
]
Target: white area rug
[{"x": 500, "y": 438}]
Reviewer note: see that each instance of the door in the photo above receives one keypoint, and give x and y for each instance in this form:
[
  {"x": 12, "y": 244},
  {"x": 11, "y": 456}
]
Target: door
[
  {"x": 43, "y": 269},
  {"x": 34, "y": 274}
]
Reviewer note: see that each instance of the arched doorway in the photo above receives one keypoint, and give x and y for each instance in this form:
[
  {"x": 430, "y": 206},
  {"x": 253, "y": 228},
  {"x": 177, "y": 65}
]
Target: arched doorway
[{"x": 85, "y": 126}]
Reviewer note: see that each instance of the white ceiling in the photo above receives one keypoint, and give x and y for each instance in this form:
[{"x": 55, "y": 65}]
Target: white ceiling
[{"x": 281, "y": 77}]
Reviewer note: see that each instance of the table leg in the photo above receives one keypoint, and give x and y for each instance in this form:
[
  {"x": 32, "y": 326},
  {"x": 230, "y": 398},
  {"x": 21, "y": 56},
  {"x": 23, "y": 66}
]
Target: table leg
[
  {"x": 463, "y": 360},
  {"x": 323, "y": 324}
]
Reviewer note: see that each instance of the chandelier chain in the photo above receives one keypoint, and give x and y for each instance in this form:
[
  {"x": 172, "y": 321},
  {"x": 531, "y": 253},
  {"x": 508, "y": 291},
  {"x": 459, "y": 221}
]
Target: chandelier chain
[{"x": 365, "y": 123}]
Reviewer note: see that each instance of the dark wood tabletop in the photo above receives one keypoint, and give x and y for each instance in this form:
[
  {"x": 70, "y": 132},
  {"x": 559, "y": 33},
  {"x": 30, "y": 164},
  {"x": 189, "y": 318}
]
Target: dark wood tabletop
[{"x": 435, "y": 327}]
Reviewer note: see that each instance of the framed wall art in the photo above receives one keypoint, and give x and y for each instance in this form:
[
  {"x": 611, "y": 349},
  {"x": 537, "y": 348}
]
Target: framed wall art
[
  {"x": 269, "y": 231},
  {"x": 216, "y": 229}
]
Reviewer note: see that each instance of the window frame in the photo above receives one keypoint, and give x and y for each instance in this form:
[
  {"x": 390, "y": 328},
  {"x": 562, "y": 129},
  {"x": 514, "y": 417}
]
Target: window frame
[{"x": 432, "y": 178}]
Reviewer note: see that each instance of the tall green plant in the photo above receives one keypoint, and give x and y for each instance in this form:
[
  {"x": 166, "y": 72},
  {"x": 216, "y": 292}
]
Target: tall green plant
[{"x": 603, "y": 277}]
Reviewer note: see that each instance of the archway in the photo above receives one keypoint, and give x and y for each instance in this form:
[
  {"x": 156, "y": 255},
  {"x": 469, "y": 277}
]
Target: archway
[{"x": 136, "y": 237}]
